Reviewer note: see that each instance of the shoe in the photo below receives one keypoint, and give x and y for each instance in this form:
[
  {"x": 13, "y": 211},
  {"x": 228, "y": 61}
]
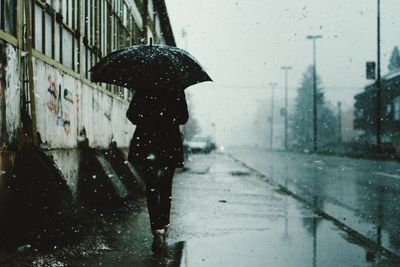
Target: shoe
[
  {"x": 166, "y": 231},
  {"x": 158, "y": 241}
]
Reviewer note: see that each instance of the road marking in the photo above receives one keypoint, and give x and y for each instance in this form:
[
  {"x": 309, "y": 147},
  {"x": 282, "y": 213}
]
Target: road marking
[{"x": 396, "y": 176}]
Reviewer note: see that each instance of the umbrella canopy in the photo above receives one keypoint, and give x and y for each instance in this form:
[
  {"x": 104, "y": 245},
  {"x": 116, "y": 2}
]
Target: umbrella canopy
[{"x": 142, "y": 66}]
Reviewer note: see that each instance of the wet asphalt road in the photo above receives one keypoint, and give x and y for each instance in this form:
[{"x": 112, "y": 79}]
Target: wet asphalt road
[
  {"x": 224, "y": 214},
  {"x": 362, "y": 194}
]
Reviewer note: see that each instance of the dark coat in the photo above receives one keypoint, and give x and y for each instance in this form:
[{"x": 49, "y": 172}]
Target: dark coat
[{"x": 157, "y": 140}]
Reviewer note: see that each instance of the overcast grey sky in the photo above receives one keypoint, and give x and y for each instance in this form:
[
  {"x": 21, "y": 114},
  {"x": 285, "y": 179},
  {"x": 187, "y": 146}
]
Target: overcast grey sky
[{"x": 244, "y": 43}]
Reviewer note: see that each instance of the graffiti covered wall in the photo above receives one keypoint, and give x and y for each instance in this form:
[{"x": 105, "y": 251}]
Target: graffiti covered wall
[
  {"x": 65, "y": 106},
  {"x": 55, "y": 106}
]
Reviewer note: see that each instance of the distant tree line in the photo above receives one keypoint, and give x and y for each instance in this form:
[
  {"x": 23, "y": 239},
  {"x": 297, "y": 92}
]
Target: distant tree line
[
  {"x": 394, "y": 61},
  {"x": 301, "y": 121}
]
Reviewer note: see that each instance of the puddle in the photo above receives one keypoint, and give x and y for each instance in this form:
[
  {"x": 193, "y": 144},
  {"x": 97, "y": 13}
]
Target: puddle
[
  {"x": 199, "y": 171},
  {"x": 275, "y": 248},
  {"x": 240, "y": 173}
]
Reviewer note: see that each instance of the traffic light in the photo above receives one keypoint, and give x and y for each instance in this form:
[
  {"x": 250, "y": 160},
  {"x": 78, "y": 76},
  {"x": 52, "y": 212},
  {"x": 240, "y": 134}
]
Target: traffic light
[{"x": 370, "y": 71}]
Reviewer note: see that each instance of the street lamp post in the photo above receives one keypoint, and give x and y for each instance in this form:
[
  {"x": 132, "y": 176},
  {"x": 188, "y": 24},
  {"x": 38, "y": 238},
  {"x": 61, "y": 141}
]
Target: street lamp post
[
  {"x": 378, "y": 80},
  {"x": 272, "y": 114},
  {"x": 286, "y": 69},
  {"x": 314, "y": 38},
  {"x": 340, "y": 123},
  {"x": 214, "y": 132}
]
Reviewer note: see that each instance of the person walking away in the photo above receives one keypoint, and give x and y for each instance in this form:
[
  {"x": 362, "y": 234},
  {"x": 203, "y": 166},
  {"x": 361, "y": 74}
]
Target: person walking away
[{"x": 156, "y": 150}]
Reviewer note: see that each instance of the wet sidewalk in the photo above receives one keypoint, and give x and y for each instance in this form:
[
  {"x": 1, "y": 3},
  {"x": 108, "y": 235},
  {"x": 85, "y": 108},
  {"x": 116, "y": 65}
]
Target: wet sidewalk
[
  {"x": 225, "y": 215},
  {"x": 229, "y": 216}
]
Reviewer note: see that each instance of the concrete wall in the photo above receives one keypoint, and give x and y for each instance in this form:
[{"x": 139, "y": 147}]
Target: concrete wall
[
  {"x": 68, "y": 161},
  {"x": 9, "y": 95},
  {"x": 104, "y": 118},
  {"x": 65, "y": 105},
  {"x": 9, "y": 119}
]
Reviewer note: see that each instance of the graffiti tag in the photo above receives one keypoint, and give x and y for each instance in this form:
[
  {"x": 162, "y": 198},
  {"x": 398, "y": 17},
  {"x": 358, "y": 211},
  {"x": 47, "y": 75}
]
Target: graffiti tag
[{"x": 60, "y": 102}]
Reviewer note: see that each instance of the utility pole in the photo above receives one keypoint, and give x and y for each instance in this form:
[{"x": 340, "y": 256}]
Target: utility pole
[
  {"x": 340, "y": 122},
  {"x": 286, "y": 69},
  {"x": 273, "y": 85},
  {"x": 378, "y": 81},
  {"x": 315, "y": 133}
]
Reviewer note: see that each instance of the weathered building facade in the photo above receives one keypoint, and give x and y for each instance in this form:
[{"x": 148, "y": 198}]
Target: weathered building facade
[
  {"x": 365, "y": 111},
  {"x": 67, "y": 38}
]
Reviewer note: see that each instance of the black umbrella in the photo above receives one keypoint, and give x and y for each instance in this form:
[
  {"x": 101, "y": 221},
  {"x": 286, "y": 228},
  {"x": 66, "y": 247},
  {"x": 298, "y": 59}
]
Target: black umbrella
[{"x": 141, "y": 66}]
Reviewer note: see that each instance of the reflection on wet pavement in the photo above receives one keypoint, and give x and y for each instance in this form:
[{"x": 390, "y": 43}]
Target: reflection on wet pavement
[
  {"x": 255, "y": 225},
  {"x": 171, "y": 256},
  {"x": 347, "y": 189}
]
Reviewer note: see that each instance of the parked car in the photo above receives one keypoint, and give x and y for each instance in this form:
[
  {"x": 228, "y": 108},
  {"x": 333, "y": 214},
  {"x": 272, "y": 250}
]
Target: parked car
[{"x": 200, "y": 144}]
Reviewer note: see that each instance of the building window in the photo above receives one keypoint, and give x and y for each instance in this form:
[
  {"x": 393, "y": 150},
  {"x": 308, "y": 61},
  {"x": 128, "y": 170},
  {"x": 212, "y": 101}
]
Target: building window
[
  {"x": 57, "y": 33},
  {"x": 54, "y": 34},
  {"x": 397, "y": 108},
  {"x": 48, "y": 20},
  {"x": 68, "y": 12},
  {"x": 38, "y": 28},
  {"x": 84, "y": 60},
  {"x": 57, "y": 42},
  {"x": 76, "y": 55},
  {"x": 388, "y": 109},
  {"x": 359, "y": 114},
  {"x": 1, "y": 14},
  {"x": 67, "y": 48},
  {"x": 9, "y": 16}
]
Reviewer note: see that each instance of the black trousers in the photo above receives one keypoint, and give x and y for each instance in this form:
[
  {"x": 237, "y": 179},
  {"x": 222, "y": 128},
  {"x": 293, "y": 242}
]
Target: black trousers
[{"x": 158, "y": 194}]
